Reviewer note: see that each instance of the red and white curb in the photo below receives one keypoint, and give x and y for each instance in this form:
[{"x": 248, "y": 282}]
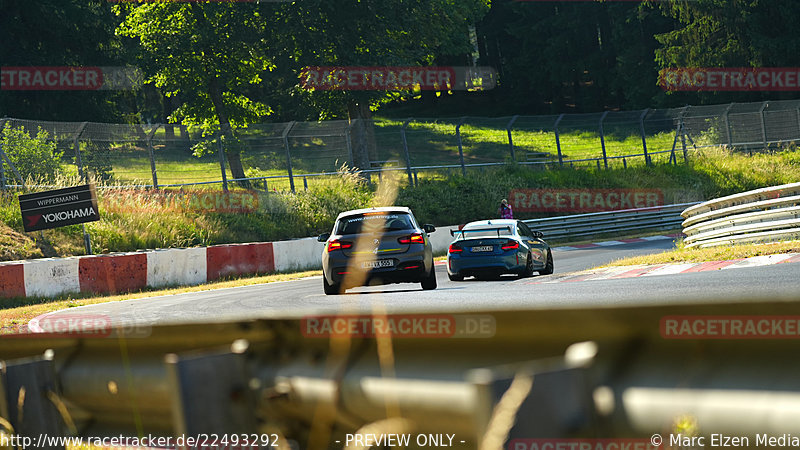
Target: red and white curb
[
  {"x": 618, "y": 242},
  {"x": 612, "y": 273}
]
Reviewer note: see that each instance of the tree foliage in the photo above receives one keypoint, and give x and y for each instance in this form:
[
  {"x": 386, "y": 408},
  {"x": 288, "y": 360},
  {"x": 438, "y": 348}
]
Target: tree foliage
[{"x": 32, "y": 156}]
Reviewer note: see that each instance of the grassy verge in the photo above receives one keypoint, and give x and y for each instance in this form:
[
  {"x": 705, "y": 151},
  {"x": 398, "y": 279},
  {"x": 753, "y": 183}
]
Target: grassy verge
[
  {"x": 687, "y": 255},
  {"x": 16, "y": 312}
]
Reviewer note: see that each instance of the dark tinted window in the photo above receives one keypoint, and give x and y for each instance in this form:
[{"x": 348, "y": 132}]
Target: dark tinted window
[{"x": 371, "y": 223}]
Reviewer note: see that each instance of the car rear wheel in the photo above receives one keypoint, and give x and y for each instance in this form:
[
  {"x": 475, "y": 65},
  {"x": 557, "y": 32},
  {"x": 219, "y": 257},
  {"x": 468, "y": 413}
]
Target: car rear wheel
[
  {"x": 330, "y": 289},
  {"x": 429, "y": 282},
  {"x": 528, "y": 272},
  {"x": 548, "y": 267}
]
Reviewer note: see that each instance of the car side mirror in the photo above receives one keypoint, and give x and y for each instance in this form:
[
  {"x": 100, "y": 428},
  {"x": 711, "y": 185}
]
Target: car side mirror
[
  {"x": 429, "y": 228},
  {"x": 323, "y": 237}
]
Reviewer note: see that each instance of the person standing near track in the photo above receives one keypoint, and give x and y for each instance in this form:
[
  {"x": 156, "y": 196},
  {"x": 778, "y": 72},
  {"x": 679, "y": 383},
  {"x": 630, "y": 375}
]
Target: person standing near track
[{"x": 505, "y": 210}]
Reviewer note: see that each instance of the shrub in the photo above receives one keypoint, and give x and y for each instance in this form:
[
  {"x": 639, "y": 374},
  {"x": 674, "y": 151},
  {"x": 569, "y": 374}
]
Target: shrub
[{"x": 33, "y": 157}]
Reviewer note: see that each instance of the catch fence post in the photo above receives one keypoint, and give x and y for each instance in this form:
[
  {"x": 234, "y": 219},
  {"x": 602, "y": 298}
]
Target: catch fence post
[
  {"x": 152, "y": 155},
  {"x": 763, "y": 124},
  {"x": 221, "y": 148},
  {"x": 405, "y": 150},
  {"x": 558, "y": 141},
  {"x": 644, "y": 137},
  {"x": 285, "y": 137},
  {"x": 728, "y": 125},
  {"x": 510, "y": 140},
  {"x": 460, "y": 148},
  {"x": 77, "y": 146},
  {"x": 603, "y": 141},
  {"x": 2, "y": 156}
]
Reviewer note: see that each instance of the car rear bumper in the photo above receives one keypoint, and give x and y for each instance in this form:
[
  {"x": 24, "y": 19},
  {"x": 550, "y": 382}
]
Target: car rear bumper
[
  {"x": 472, "y": 265},
  {"x": 404, "y": 272}
]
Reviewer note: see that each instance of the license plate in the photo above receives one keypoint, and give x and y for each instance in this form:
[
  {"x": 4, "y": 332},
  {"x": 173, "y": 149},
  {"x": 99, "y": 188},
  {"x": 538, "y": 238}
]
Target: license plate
[
  {"x": 483, "y": 248},
  {"x": 377, "y": 264}
]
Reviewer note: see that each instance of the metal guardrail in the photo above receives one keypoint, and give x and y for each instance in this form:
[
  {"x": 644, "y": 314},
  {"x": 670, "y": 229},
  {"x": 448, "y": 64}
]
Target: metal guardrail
[
  {"x": 590, "y": 371},
  {"x": 762, "y": 215},
  {"x": 628, "y": 220}
]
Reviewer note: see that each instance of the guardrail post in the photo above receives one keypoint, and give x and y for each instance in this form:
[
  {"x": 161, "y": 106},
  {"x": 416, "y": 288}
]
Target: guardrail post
[
  {"x": 405, "y": 150},
  {"x": 603, "y": 141},
  {"x": 510, "y": 140},
  {"x": 558, "y": 141},
  {"x": 644, "y": 137},
  {"x": 222, "y": 163},
  {"x": 728, "y": 124},
  {"x": 77, "y": 146},
  {"x": 152, "y": 156},
  {"x": 763, "y": 124},
  {"x": 285, "y": 138},
  {"x": 460, "y": 147}
]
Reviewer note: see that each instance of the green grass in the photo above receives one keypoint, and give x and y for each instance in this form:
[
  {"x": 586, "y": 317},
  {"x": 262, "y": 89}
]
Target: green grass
[
  {"x": 431, "y": 142},
  {"x": 440, "y": 198},
  {"x": 722, "y": 253}
]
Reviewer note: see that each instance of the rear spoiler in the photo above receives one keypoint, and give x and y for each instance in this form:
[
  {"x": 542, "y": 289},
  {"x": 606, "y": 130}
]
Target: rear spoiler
[{"x": 497, "y": 229}]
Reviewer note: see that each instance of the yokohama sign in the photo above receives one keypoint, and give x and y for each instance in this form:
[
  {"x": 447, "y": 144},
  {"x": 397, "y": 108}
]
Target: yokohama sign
[
  {"x": 58, "y": 208},
  {"x": 583, "y": 200}
]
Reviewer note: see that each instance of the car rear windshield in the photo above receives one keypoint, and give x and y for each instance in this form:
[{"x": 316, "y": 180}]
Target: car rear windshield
[
  {"x": 372, "y": 222},
  {"x": 485, "y": 231}
]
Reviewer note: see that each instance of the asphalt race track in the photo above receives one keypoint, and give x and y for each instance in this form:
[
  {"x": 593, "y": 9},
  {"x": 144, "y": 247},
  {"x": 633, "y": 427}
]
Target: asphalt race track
[{"x": 305, "y": 296}]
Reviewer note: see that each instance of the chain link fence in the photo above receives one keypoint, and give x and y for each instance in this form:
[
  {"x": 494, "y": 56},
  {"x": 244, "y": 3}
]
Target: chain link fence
[{"x": 289, "y": 156}]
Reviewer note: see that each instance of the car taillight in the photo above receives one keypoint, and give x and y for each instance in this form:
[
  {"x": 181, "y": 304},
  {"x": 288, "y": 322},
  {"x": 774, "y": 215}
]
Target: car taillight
[
  {"x": 454, "y": 249},
  {"x": 510, "y": 245},
  {"x": 415, "y": 238},
  {"x": 336, "y": 244}
]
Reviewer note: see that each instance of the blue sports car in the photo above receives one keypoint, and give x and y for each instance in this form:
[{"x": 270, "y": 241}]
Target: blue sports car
[{"x": 490, "y": 248}]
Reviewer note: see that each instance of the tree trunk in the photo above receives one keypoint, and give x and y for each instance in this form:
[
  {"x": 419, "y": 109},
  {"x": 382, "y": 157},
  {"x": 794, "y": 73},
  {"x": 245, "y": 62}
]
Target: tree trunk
[
  {"x": 363, "y": 134},
  {"x": 232, "y": 151}
]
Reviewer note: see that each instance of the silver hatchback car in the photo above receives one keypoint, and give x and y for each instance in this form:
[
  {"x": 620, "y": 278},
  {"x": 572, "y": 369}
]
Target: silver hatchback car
[{"x": 377, "y": 246}]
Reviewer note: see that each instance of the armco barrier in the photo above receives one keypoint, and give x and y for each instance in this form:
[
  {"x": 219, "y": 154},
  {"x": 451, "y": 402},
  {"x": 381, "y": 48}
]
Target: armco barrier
[
  {"x": 629, "y": 220},
  {"x": 762, "y": 215},
  {"x": 604, "y": 370}
]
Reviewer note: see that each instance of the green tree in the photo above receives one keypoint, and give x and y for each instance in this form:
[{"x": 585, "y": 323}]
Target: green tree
[
  {"x": 731, "y": 33},
  {"x": 208, "y": 54},
  {"x": 64, "y": 33},
  {"x": 32, "y": 156},
  {"x": 225, "y": 60}
]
